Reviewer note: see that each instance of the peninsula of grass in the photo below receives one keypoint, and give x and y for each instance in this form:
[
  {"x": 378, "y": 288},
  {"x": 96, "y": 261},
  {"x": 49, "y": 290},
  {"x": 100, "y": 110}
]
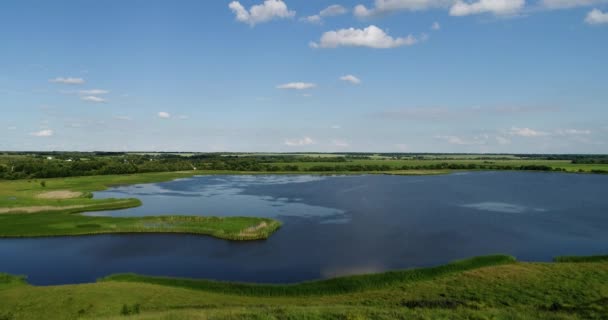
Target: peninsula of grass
[
  {"x": 52, "y": 207},
  {"x": 491, "y": 287}
]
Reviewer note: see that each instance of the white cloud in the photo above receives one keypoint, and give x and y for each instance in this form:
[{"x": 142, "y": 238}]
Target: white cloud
[
  {"x": 11, "y": 128},
  {"x": 526, "y": 132},
  {"x": 304, "y": 141},
  {"x": 475, "y": 140},
  {"x": 497, "y": 7},
  {"x": 435, "y": 26},
  {"x": 388, "y": 6},
  {"x": 43, "y": 133},
  {"x": 596, "y": 16},
  {"x": 350, "y": 78},
  {"x": 94, "y": 99},
  {"x": 93, "y": 92},
  {"x": 372, "y": 37},
  {"x": 268, "y": 10},
  {"x": 333, "y": 10},
  {"x": 336, "y": 126},
  {"x": 68, "y": 80},
  {"x": 563, "y": 4},
  {"x": 164, "y": 115},
  {"x": 297, "y": 86},
  {"x": 574, "y": 132},
  {"x": 183, "y": 117}
]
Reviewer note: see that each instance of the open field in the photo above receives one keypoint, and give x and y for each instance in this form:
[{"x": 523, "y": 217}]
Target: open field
[
  {"x": 30, "y": 208},
  {"x": 492, "y": 287}
]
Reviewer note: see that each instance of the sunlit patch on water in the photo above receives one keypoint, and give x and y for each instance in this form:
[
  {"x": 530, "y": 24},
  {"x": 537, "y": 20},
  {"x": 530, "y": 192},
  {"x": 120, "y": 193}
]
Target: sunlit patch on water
[
  {"x": 218, "y": 196},
  {"x": 501, "y": 207}
]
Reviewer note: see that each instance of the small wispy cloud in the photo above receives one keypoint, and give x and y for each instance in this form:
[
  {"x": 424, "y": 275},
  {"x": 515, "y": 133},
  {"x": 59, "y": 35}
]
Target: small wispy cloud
[
  {"x": 333, "y": 10},
  {"x": 94, "y": 99},
  {"x": 296, "y": 86},
  {"x": 435, "y": 26},
  {"x": 93, "y": 92},
  {"x": 350, "y": 78},
  {"x": 67, "y": 80},
  {"x": 304, "y": 141},
  {"x": 42, "y": 133},
  {"x": 164, "y": 115},
  {"x": 527, "y": 132}
]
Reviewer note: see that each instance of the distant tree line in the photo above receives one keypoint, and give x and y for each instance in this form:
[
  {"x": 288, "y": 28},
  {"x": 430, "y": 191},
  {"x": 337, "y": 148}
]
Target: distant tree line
[{"x": 67, "y": 164}]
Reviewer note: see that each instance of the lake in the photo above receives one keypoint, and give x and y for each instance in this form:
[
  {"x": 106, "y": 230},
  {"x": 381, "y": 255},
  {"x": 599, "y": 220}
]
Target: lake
[{"x": 333, "y": 226}]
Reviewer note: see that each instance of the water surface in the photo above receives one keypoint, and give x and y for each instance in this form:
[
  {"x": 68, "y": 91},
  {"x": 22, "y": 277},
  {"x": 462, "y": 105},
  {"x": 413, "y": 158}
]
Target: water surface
[{"x": 334, "y": 225}]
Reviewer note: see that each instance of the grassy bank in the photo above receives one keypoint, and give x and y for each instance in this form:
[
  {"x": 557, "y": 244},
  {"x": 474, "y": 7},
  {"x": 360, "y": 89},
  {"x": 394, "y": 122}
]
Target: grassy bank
[
  {"x": 27, "y": 211},
  {"x": 494, "y": 287}
]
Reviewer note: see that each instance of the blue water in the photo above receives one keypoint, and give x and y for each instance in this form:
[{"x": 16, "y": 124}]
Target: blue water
[{"x": 334, "y": 225}]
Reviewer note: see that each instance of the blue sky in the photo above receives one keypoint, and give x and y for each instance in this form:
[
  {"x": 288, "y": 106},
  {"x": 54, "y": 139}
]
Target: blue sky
[{"x": 295, "y": 76}]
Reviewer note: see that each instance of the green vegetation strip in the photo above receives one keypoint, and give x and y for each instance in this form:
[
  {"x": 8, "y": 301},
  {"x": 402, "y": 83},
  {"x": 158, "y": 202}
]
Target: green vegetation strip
[
  {"x": 323, "y": 287},
  {"x": 66, "y": 224},
  {"x": 581, "y": 259}
]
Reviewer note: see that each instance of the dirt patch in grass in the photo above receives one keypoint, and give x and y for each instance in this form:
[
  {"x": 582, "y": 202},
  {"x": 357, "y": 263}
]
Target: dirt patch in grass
[
  {"x": 35, "y": 209},
  {"x": 59, "y": 194},
  {"x": 254, "y": 229}
]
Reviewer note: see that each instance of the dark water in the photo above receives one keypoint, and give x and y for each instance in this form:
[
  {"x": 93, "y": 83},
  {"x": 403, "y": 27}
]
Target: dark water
[{"x": 335, "y": 226}]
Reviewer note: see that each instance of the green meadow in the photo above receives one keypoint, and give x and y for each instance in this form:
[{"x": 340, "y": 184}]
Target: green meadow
[{"x": 490, "y": 287}]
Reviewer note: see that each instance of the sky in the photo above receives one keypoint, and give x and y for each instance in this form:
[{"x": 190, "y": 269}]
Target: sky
[{"x": 479, "y": 76}]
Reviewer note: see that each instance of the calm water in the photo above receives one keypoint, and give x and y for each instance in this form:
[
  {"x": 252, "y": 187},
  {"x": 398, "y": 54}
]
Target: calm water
[{"x": 334, "y": 226}]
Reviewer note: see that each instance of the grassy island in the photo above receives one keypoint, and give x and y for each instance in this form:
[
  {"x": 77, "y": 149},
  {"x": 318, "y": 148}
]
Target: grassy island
[
  {"x": 51, "y": 207},
  {"x": 490, "y": 287}
]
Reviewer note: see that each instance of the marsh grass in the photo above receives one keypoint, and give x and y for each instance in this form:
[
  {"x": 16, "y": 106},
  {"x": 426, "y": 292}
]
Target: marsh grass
[
  {"x": 323, "y": 287},
  {"x": 581, "y": 259}
]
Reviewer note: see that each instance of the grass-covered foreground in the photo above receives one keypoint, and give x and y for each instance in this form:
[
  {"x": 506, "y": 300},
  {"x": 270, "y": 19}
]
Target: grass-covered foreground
[
  {"x": 492, "y": 287},
  {"x": 35, "y": 208}
]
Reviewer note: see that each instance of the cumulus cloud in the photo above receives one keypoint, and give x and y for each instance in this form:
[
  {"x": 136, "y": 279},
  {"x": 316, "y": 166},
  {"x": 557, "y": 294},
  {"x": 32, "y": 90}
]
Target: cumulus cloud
[
  {"x": 497, "y": 7},
  {"x": 164, "y": 115},
  {"x": 388, "y": 6},
  {"x": 43, "y": 133},
  {"x": 435, "y": 26},
  {"x": 350, "y": 78},
  {"x": 596, "y": 16},
  {"x": 333, "y": 10},
  {"x": 296, "y": 86},
  {"x": 68, "y": 80},
  {"x": 372, "y": 37},
  {"x": 526, "y": 132},
  {"x": 93, "y": 92},
  {"x": 268, "y": 10},
  {"x": 304, "y": 141},
  {"x": 94, "y": 99},
  {"x": 563, "y": 4}
]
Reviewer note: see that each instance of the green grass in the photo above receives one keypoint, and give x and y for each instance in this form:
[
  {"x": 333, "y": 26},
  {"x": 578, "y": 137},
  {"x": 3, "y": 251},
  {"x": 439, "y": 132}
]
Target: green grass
[
  {"x": 66, "y": 221},
  {"x": 333, "y": 286},
  {"x": 72, "y": 224},
  {"x": 495, "y": 287},
  {"x": 577, "y": 259}
]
